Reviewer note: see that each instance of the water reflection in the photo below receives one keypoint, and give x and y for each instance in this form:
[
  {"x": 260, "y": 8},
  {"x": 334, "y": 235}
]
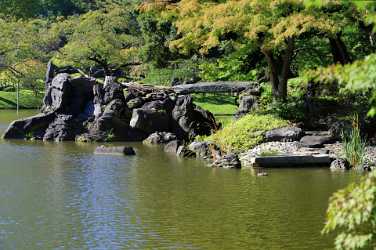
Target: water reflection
[{"x": 61, "y": 196}]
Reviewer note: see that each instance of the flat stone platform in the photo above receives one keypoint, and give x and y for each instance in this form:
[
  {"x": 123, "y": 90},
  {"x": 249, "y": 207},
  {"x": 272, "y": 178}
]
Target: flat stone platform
[{"x": 285, "y": 161}]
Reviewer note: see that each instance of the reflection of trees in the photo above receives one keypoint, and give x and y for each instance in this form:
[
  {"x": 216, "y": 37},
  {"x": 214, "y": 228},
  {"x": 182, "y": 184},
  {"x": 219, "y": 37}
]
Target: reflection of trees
[{"x": 187, "y": 205}]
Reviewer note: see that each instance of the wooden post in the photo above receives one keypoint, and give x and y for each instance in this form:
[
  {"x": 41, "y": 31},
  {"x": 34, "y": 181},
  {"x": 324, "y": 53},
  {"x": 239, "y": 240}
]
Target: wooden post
[{"x": 18, "y": 97}]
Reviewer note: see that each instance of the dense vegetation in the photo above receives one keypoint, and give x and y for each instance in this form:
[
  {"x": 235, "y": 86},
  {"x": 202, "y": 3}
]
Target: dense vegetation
[{"x": 287, "y": 46}]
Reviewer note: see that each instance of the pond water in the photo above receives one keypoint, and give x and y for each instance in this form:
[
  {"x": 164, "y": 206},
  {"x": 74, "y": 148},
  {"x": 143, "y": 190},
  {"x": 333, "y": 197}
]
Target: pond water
[{"x": 61, "y": 196}]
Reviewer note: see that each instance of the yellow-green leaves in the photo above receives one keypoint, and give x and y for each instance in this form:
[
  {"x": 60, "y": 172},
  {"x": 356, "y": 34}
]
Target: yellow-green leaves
[{"x": 352, "y": 213}]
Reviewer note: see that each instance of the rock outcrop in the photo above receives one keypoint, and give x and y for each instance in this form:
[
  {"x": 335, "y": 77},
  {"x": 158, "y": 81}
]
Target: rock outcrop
[
  {"x": 285, "y": 134},
  {"x": 82, "y": 109}
]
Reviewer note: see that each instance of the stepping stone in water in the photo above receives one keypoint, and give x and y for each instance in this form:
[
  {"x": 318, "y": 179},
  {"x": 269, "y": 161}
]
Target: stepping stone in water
[{"x": 122, "y": 150}]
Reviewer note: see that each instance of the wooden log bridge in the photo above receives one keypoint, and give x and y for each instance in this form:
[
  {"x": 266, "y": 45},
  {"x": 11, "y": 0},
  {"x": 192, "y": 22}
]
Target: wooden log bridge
[{"x": 217, "y": 87}]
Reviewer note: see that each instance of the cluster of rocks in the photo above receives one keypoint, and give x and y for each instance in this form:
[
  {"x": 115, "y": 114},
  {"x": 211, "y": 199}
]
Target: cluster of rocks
[
  {"x": 247, "y": 102},
  {"x": 82, "y": 109}
]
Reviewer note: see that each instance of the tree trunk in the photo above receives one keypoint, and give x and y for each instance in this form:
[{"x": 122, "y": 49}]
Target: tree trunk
[
  {"x": 339, "y": 50},
  {"x": 279, "y": 67}
]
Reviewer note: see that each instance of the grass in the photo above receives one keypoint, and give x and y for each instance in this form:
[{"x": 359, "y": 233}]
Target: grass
[
  {"x": 354, "y": 147},
  {"x": 28, "y": 100},
  {"x": 246, "y": 132},
  {"x": 218, "y": 104}
]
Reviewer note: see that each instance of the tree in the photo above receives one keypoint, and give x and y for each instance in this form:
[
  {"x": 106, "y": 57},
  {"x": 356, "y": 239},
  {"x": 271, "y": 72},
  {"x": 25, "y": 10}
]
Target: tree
[
  {"x": 107, "y": 38},
  {"x": 20, "y": 9},
  {"x": 272, "y": 26}
]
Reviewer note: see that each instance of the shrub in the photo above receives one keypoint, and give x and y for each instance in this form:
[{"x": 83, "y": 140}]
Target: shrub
[
  {"x": 351, "y": 214},
  {"x": 246, "y": 132},
  {"x": 291, "y": 109},
  {"x": 353, "y": 145}
]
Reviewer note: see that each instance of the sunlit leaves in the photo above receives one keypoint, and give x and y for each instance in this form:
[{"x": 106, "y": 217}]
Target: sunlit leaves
[{"x": 352, "y": 213}]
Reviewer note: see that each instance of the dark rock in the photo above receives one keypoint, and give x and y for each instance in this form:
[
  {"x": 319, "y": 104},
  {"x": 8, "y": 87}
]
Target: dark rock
[
  {"x": 176, "y": 81},
  {"x": 183, "y": 151},
  {"x": 368, "y": 165},
  {"x": 247, "y": 103},
  {"x": 206, "y": 150},
  {"x": 29, "y": 127},
  {"x": 150, "y": 120},
  {"x": 165, "y": 104},
  {"x": 315, "y": 141},
  {"x": 82, "y": 109},
  {"x": 113, "y": 122},
  {"x": 63, "y": 128},
  {"x": 285, "y": 134},
  {"x": 338, "y": 127},
  {"x": 135, "y": 103},
  {"x": 192, "y": 120},
  {"x": 81, "y": 94},
  {"x": 113, "y": 91},
  {"x": 58, "y": 94},
  {"x": 228, "y": 161},
  {"x": 339, "y": 165},
  {"x": 172, "y": 146},
  {"x": 160, "y": 138},
  {"x": 155, "y": 96},
  {"x": 122, "y": 150},
  {"x": 50, "y": 73}
]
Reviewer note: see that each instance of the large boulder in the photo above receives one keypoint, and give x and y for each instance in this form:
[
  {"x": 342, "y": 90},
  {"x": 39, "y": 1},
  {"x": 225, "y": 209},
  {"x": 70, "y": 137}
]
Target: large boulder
[
  {"x": 58, "y": 94},
  {"x": 172, "y": 146},
  {"x": 206, "y": 150},
  {"x": 63, "y": 128},
  {"x": 150, "y": 120},
  {"x": 285, "y": 134},
  {"x": 192, "y": 120},
  {"x": 121, "y": 150},
  {"x": 81, "y": 96},
  {"x": 160, "y": 138},
  {"x": 247, "y": 103},
  {"x": 30, "y": 127},
  {"x": 228, "y": 161},
  {"x": 316, "y": 141}
]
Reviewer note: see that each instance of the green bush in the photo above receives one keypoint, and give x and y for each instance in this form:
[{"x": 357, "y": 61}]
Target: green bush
[
  {"x": 352, "y": 215},
  {"x": 291, "y": 109},
  {"x": 354, "y": 147},
  {"x": 246, "y": 132}
]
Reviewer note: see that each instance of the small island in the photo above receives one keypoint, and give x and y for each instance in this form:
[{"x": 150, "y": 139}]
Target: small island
[{"x": 187, "y": 124}]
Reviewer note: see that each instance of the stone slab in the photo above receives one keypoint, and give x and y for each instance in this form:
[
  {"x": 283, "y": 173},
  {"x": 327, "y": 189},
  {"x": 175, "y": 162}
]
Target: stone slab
[{"x": 285, "y": 161}]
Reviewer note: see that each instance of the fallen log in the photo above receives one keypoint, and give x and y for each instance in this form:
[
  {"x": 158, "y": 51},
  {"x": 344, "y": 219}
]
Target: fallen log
[{"x": 217, "y": 87}]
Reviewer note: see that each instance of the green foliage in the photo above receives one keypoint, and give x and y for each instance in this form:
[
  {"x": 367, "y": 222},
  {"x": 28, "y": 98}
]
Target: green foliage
[
  {"x": 352, "y": 215},
  {"x": 246, "y": 132},
  {"x": 106, "y": 38},
  {"x": 181, "y": 71},
  {"x": 358, "y": 77},
  {"x": 155, "y": 33},
  {"x": 354, "y": 147},
  {"x": 291, "y": 109}
]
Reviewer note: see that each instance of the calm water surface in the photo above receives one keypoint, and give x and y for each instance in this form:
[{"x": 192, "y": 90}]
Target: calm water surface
[{"x": 61, "y": 196}]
